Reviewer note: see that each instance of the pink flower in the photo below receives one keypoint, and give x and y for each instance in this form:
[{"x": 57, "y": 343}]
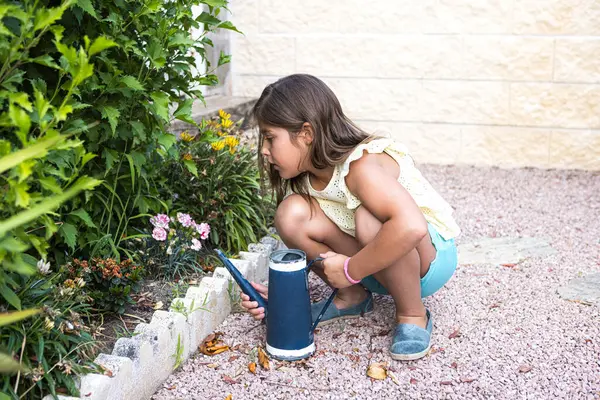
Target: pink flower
[
  {"x": 160, "y": 221},
  {"x": 196, "y": 245},
  {"x": 203, "y": 229},
  {"x": 159, "y": 234},
  {"x": 185, "y": 219}
]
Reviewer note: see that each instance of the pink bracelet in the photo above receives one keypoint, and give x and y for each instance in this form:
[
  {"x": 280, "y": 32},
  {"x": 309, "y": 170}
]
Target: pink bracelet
[{"x": 347, "y": 274}]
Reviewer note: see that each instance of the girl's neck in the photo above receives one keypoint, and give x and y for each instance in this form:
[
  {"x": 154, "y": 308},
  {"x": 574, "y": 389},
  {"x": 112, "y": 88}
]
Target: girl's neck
[{"x": 320, "y": 177}]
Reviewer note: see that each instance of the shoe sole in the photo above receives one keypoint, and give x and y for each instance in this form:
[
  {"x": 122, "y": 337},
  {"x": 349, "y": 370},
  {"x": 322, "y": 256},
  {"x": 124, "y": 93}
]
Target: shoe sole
[
  {"x": 410, "y": 357},
  {"x": 342, "y": 318}
]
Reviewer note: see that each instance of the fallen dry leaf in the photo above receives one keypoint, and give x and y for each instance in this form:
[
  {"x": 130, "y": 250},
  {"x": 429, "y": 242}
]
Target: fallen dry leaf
[
  {"x": 467, "y": 380},
  {"x": 336, "y": 335},
  {"x": 228, "y": 379},
  {"x": 212, "y": 345},
  {"x": 377, "y": 371},
  {"x": 588, "y": 341},
  {"x": 525, "y": 368},
  {"x": 171, "y": 387},
  {"x": 495, "y": 306},
  {"x": 455, "y": 334},
  {"x": 252, "y": 367},
  {"x": 446, "y": 383},
  {"x": 413, "y": 381},
  {"x": 229, "y": 397},
  {"x": 263, "y": 359},
  {"x": 454, "y": 365},
  {"x": 213, "y": 366},
  {"x": 509, "y": 265},
  {"x": 233, "y": 358},
  {"x": 354, "y": 358},
  {"x": 393, "y": 377},
  {"x": 158, "y": 305},
  {"x": 384, "y": 332},
  {"x": 88, "y": 395}
]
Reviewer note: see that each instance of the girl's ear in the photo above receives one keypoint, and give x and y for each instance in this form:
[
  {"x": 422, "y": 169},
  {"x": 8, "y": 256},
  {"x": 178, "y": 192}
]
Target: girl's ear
[{"x": 307, "y": 133}]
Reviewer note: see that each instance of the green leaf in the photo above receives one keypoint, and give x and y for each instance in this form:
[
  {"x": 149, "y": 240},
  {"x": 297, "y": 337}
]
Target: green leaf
[
  {"x": 101, "y": 43},
  {"x": 191, "y": 166},
  {"x": 21, "y": 119},
  {"x": 9, "y": 318},
  {"x": 69, "y": 234},
  {"x": 24, "y": 217},
  {"x": 228, "y": 25},
  {"x": 24, "y": 169},
  {"x": 112, "y": 114},
  {"x": 10, "y": 296},
  {"x": 37, "y": 150},
  {"x": 85, "y": 217},
  {"x": 167, "y": 140},
  {"x": 139, "y": 129},
  {"x": 63, "y": 112},
  {"x": 223, "y": 59},
  {"x": 131, "y": 82},
  {"x": 13, "y": 245},
  {"x": 21, "y": 99},
  {"x": 208, "y": 19},
  {"x": 45, "y": 17},
  {"x": 161, "y": 104},
  {"x": 185, "y": 108},
  {"x": 88, "y": 7},
  {"x": 22, "y": 197},
  {"x": 214, "y": 3},
  {"x": 45, "y": 60},
  {"x": 50, "y": 183},
  {"x": 179, "y": 39},
  {"x": 8, "y": 365}
]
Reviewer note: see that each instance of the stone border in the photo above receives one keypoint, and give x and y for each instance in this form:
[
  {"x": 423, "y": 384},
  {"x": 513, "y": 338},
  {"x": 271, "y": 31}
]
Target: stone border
[{"x": 140, "y": 364}]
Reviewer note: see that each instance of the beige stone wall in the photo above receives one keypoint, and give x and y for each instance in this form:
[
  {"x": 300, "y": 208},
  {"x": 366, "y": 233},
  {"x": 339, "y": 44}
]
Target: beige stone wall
[{"x": 483, "y": 82}]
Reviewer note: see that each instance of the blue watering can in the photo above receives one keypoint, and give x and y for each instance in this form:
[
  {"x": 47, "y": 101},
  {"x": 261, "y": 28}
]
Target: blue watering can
[{"x": 290, "y": 329}]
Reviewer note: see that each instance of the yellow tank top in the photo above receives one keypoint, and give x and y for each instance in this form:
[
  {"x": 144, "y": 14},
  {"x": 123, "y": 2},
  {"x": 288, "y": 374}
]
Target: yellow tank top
[{"x": 340, "y": 205}]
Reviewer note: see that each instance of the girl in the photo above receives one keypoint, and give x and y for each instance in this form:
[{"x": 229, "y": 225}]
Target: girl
[{"x": 358, "y": 201}]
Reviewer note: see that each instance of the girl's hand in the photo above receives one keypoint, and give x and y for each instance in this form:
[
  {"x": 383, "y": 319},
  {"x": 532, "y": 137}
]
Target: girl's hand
[
  {"x": 252, "y": 306},
  {"x": 333, "y": 265}
]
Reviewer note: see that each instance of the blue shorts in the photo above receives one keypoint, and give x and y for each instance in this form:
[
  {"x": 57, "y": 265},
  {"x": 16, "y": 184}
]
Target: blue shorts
[{"x": 440, "y": 271}]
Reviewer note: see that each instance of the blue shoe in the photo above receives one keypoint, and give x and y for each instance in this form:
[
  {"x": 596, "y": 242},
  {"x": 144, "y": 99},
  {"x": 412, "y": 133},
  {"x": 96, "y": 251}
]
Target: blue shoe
[
  {"x": 335, "y": 314},
  {"x": 411, "y": 342}
]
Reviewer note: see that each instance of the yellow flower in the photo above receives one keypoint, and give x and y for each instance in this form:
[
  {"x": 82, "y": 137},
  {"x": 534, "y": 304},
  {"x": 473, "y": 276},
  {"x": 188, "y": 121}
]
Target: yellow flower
[
  {"x": 187, "y": 157},
  {"x": 231, "y": 141},
  {"x": 224, "y": 115},
  {"x": 186, "y": 137},
  {"x": 218, "y": 145},
  {"x": 231, "y": 150},
  {"x": 48, "y": 323},
  {"x": 226, "y": 123}
]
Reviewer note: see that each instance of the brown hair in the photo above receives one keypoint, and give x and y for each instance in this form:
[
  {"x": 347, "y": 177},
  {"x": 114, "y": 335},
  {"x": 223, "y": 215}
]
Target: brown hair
[{"x": 290, "y": 102}]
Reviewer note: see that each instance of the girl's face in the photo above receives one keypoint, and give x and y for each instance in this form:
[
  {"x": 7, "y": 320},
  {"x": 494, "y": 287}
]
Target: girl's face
[{"x": 287, "y": 157}]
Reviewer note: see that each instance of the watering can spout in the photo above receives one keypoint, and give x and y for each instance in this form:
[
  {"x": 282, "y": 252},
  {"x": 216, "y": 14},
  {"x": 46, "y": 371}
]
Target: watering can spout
[{"x": 241, "y": 281}]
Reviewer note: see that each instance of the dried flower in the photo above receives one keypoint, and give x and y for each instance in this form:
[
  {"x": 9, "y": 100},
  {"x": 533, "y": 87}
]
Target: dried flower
[
  {"x": 169, "y": 250},
  {"x": 48, "y": 323},
  {"x": 196, "y": 245},
  {"x": 160, "y": 221},
  {"x": 79, "y": 282},
  {"x": 159, "y": 234},
  {"x": 43, "y": 267}
]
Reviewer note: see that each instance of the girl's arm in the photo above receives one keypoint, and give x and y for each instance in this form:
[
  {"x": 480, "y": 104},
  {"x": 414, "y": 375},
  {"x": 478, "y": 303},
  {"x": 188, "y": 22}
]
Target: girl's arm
[{"x": 373, "y": 179}]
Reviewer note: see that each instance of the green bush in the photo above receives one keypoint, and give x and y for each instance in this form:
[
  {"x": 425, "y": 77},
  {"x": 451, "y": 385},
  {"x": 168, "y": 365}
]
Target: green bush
[
  {"x": 217, "y": 181},
  {"x": 109, "y": 283},
  {"x": 51, "y": 347}
]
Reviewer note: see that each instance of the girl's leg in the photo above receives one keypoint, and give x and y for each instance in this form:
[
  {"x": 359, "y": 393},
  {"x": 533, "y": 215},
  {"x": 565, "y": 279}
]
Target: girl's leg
[
  {"x": 315, "y": 235},
  {"x": 401, "y": 279}
]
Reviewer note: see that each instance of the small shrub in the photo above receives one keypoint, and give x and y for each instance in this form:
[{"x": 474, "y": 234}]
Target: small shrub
[
  {"x": 52, "y": 346},
  {"x": 108, "y": 282},
  {"x": 176, "y": 247},
  {"x": 216, "y": 180}
]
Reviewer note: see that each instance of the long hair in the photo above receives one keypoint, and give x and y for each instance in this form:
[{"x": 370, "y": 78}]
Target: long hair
[{"x": 290, "y": 102}]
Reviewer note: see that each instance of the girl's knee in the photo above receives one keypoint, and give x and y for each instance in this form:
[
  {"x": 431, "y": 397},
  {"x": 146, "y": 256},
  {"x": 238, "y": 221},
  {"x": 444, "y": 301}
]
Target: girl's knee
[
  {"x": 367, "y": 226},
  {"x": 292, "y": 213}
]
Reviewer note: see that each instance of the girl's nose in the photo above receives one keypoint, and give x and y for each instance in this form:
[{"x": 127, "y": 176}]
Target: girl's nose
[{"x": 264, "y": 150}]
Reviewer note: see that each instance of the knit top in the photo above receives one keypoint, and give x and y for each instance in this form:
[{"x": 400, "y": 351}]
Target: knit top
[{"x": 339, "y": 204}]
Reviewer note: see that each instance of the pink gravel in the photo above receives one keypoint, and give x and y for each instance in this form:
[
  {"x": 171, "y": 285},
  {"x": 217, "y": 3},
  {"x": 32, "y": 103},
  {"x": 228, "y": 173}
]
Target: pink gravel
[{"x": 516, "y": 338}]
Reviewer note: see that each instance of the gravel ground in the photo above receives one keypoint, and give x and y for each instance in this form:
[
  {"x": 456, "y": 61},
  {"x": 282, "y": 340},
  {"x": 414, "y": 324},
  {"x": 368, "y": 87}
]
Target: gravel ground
[{"x": 499, "y": 332}]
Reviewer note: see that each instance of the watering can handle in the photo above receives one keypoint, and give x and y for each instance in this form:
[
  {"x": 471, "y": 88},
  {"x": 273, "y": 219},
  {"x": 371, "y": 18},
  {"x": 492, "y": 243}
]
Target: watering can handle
[{"x": 329, "y": 300}]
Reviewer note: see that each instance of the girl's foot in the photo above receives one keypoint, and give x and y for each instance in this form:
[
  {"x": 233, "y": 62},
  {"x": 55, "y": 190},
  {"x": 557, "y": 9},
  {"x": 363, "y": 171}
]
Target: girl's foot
[
  {"x": 411, "y": 341},
  {"x": 348, "y": 310}
]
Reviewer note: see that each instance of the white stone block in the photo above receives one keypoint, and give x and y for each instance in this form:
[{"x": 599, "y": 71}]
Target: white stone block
[
  {"x": 259, "y": 263},
  {"x": 158, "y": 337},
  {"x": 118, "y": 386},
  {"x": 97, "y": 387},
  {"x": 139, "y": 351},
  {"x": 178, "y": 329}
]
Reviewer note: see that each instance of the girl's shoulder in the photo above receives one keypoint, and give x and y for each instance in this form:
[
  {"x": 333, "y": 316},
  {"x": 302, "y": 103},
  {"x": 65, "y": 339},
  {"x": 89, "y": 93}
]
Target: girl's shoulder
[{"x": 375, "y": 145}]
